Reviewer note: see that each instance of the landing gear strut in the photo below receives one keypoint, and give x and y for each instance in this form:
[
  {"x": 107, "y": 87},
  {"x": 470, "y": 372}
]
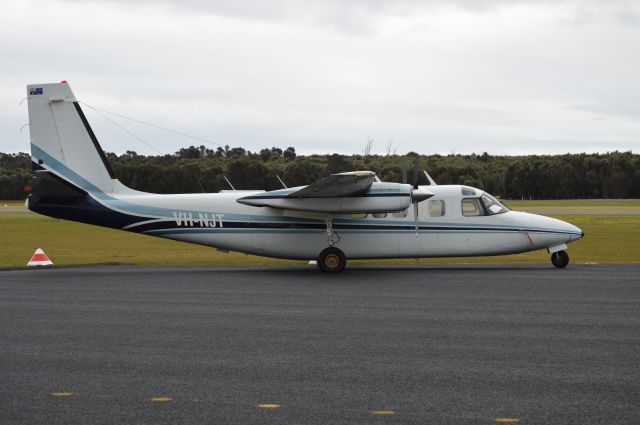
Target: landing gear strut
[
  {"x": 560, "y": 259},
  {"x": 332, "y": 236},
  {"x": 332, "y": 260}
]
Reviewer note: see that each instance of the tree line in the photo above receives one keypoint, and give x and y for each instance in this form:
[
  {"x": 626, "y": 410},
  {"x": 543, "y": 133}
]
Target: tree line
[{"x": 198, "y": 169}]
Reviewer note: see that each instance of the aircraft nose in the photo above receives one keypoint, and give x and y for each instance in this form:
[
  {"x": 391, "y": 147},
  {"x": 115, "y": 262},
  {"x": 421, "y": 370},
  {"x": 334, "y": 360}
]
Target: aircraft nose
[
  {"x": 578, "y": 233},
  {"x": 567, "y": 229}
]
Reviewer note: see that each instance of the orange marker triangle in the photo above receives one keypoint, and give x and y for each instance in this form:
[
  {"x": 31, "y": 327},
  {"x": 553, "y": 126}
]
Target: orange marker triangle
[{"x": 39, "y": 258}]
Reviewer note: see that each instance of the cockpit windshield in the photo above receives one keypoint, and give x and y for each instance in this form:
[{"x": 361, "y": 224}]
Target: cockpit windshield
[{"x": 492, "y": 205}]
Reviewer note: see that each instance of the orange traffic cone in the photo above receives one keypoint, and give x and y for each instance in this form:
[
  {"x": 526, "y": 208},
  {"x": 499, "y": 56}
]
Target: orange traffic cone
[{"x": 39, "y": 258}]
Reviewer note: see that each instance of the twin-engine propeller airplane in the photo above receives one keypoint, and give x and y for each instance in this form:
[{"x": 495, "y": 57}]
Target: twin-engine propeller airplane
[{"x": 348, "y": 215}]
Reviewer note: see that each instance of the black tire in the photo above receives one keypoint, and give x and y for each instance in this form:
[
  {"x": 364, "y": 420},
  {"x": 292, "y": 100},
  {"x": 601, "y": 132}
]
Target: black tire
[
  {"x": 560, "y": 259},
  {"x": 332, "y": 260}
]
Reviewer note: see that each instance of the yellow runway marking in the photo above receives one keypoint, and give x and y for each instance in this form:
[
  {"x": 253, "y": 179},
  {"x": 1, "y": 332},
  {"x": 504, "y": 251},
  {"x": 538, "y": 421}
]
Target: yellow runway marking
[
  {"x": 383, "y": 412},
  {"x": 62, "y": 394},
  {"x": 161, "y": 399},
  {"x": 508, "y": 420},
  {"x": 268, "y": 406}
]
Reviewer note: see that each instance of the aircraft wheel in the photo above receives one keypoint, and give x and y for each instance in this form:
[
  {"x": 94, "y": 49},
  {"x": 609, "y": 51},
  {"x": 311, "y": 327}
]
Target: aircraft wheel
[
  {"x": 560, "y": 259},
  {"x": 332, "y": 260}
]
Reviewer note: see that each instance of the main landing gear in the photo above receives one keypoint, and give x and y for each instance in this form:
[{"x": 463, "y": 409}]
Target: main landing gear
[
  {"x": 560, "y": 259},
  {"x": 332, "y": 260}
]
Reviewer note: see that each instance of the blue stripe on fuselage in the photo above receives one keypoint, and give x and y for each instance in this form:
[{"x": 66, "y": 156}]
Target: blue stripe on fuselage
[{"x": 243, "y": 229}]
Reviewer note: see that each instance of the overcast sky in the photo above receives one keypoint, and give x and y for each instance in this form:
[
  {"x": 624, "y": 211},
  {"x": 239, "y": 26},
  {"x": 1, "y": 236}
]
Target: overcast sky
[{"x": 503, "y": 76}]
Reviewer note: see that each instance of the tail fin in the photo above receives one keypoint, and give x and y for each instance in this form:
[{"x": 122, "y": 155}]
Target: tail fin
[{"x": 62, "y": 141}]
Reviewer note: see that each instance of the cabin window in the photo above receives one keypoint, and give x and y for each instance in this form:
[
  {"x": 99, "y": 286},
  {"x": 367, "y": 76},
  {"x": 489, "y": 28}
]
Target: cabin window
[
  {"x": 485, "y": 205},
  {"x": 471, "y": 207},
  {"x": 379, "y": 215},
  {"x": 492, "y": 205},
  {"x": 358, "y": 215},
  {"x": 401, "y": 214},
  {"x": 435, "y": 207}
]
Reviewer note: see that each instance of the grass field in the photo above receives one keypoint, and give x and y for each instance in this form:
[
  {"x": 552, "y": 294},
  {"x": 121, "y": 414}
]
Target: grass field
[
  {"x": 11, "y": 203},
  {"x": 575, "y": 203},
  {"x": 580, "y": 206},
  {"x": 610, "y": 238}
]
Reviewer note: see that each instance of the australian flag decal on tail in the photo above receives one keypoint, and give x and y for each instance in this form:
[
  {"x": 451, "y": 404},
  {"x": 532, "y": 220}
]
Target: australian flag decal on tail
[{"x": 35, "y": 91}]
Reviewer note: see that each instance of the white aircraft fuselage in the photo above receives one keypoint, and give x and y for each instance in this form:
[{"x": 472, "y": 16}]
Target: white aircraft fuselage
[
  {"x": 348, "y": 214},
  {"x": 217, "y": 220}
]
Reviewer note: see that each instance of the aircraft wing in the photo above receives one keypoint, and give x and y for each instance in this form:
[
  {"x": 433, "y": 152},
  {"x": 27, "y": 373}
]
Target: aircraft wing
[
  {"x": 337, "y": 185},
  {"x": 353, "y": 192}
]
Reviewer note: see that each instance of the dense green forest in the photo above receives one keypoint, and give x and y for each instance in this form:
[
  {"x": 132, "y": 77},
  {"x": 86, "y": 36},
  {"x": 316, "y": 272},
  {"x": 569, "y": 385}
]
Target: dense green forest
[{"x": 199, "y": 169}]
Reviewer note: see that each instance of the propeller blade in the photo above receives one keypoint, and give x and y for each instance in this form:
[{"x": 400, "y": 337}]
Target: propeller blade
[
  {"x": 415, "y": 216},
  {"x": 416, "y": 175},
  {"x": 417, "y": 196},
  {"x": 404, "y": 170}
]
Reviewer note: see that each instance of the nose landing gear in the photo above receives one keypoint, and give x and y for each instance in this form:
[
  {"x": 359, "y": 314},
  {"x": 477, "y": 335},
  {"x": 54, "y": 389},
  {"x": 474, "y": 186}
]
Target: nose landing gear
[
  {"x": 332, "y": 260},
  {"x": 560, "y": 259}
]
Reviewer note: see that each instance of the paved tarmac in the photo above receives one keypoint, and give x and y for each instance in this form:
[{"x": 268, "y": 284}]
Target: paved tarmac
[
  {"x": 14, "y": 210},
  {"x": 420, "y": 345}
]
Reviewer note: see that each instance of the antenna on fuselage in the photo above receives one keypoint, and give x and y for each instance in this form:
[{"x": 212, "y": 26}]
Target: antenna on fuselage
[
  {"x": 281, "y": 182},
  {"x": 232, "y": 188}
]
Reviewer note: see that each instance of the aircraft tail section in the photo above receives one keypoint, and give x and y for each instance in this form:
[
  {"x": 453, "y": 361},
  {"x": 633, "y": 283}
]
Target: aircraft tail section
[{"x": 62, "y": 141}]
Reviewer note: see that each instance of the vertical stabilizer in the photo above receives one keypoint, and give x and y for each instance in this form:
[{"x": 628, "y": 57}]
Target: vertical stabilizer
[{"x": 62, "y": 140}]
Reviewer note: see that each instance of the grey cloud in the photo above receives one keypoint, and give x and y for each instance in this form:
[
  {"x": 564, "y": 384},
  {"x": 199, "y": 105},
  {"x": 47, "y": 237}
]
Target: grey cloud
[
  {"x": 262, "y": 74},
  {"x": 628, "y": 17},
  {"x": 358, "y": 16},
  {"x": 619, "y": 108}
]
